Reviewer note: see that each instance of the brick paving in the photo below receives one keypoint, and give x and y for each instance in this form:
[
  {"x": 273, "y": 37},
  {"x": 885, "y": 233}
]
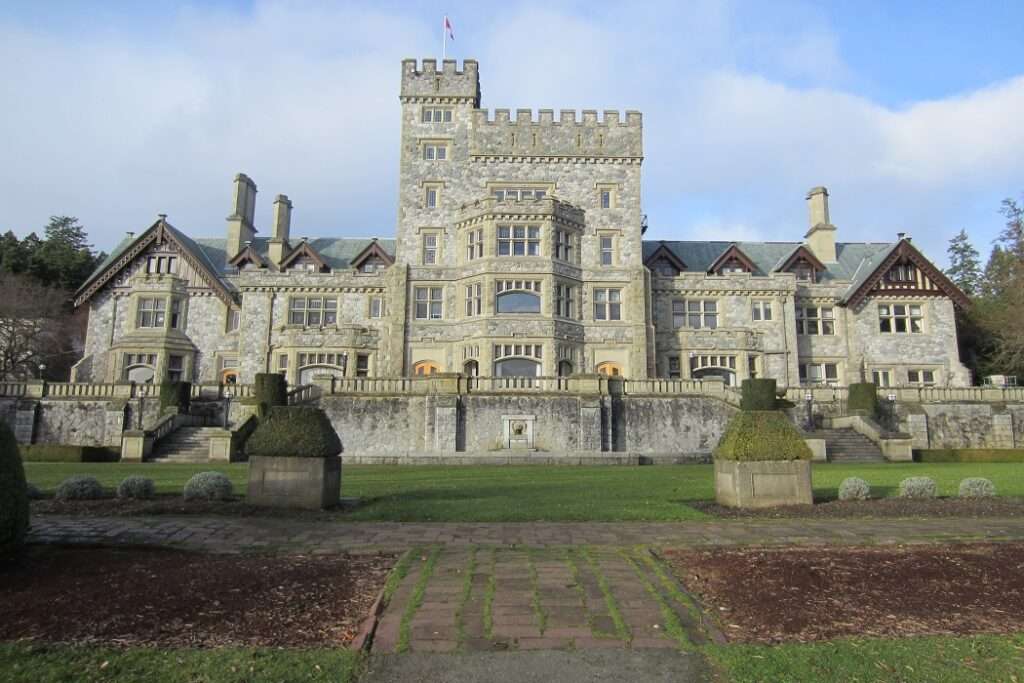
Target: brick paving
[{"x": 231, "y": 535}]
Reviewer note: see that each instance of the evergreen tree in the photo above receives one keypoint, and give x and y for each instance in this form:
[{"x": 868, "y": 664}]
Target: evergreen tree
[
  {"x": 64, "y": 258},
  {"x": 964, "y": 264}
]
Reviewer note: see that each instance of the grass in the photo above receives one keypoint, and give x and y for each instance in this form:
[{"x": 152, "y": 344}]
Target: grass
[
  {"x": 673, "y": 627},
  {"x": 940, "y": 659},
  {"x": 537, "y": 493},
  {"x": 64, "y": 663},
  {"x": 621, "y": 628},
  {"x": 416, "y": 600}
]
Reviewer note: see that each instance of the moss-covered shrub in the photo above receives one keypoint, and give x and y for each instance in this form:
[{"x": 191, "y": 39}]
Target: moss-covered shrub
[
  {"x": 294, "y": 431},
  {"x": 79, "y": 487},
  {"x": 176, "y": 395},
  {"x": 758, "y": 394},
  {"x": 139, "y": 488},
  {"x": 208, "y": 486},
  {"x": 977, "y": 487},
  {"x": 270, "y": 389},
  {"x": 854, "y": 488},
  {"x": 864, "y": 397},
  {"x": 761, "y": 435},
  {"x": 918, "y": 487},
  {"x": 13, "y": 496}
]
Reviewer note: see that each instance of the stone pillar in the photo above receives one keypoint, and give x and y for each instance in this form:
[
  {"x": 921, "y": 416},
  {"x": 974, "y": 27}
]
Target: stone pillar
[
  {"x": 590, "y": 423},
  {"x": 1002, "y": 431},
  {"x": 917, "y": 425},
  {"x": 114, "y": 416},
  {"x": 446, "y": 423},
  {"x": 25, "y": 421},
  {"x": 607, "y": 420},
  {"x": 35, "y": 388}
]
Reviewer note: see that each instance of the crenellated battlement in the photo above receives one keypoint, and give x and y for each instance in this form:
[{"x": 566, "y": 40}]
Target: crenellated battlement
[
  {"x": 424, "y": 82},
  {"x": 571, "y": 135}
]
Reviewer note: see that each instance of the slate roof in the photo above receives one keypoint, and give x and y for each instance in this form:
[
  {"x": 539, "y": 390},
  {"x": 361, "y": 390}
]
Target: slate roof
[{"x": 854, "y": 259}]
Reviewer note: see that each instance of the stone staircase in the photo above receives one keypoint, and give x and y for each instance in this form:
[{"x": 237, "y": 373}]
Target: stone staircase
[
  {"x": 185, "y": 444},
  {"x": 846, "y": 445}
]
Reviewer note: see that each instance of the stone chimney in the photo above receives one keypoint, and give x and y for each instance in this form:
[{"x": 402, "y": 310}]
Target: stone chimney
[
  {"x": 821, "y": 238},
  {"x": 278, "y": 247},
  {"x": 241, "y": 227}
]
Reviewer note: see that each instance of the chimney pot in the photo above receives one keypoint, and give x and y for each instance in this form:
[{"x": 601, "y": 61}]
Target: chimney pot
[
  {"x": 282, "y": 218},
  {"x": 162, "y": 216},
  {"x": 901, "y": 235},
  {"x": 821, "y": 237},
  {"x": 130, "y": 234}
]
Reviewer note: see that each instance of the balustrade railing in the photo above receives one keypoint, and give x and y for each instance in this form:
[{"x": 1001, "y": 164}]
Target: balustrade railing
[{"x": 303, "y": 394}]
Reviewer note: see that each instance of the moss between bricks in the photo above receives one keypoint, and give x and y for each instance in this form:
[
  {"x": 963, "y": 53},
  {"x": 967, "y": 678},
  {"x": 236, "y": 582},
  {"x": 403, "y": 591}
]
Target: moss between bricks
[
  {"x": 765, "y": 435},
  {"x": 969, "y": 455}
]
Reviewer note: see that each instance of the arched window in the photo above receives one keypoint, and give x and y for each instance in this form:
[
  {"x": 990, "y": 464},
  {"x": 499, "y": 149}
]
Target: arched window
[
  {"x": 518, "y": 302},
  {"x": 327, "y": 363},
  {"x": 471, "y": 368},
  {"x": 564, "y": 368},
  {"x": 517, "y": 367},
  {"x": 426, "y": 367},
  {"x": 610, "y": 369}
]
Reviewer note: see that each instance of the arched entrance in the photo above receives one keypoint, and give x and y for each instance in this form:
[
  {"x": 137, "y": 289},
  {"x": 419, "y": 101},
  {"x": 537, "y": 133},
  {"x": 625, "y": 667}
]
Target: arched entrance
[
  {"x": 610, "y": 369},
  {"x": 229, "y": 376},
  {"x": 426, "y": 367}
]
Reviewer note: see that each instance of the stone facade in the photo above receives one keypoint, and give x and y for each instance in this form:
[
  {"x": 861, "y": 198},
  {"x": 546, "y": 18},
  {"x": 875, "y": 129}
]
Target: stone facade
[{"x": 519, "y": 251}]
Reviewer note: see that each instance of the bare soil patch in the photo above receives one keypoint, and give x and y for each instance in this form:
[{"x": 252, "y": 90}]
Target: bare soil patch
[
  {"x": 170, "y": 598},
  {"x": 883, "y": 507},
  {"x": 807, "y": 594}
]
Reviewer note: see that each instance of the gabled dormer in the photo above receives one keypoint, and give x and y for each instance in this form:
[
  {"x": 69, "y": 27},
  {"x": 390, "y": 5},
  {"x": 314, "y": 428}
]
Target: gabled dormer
[
  {"x": 802, "y": 263},
  {"x": 372, "y": 259},
  {"x": 732, "y": 260},
  {"x": 663, "y": 263},
  {"x": 248, "y": 259},
  {"x": 905, "y": 271},
  {"x": 304, "y": 257}
]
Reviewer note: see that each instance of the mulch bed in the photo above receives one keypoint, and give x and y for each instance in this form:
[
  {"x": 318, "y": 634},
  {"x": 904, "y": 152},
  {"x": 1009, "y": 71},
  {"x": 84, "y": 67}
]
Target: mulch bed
[
  {"x": 883, "y": 507},
  {"x": 169, "y": 598},
  {"x": 176, "y": 505},
  {"x": 808, "y": 594}
]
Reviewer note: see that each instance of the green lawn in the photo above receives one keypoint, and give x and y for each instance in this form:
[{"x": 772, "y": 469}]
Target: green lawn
[
  {"x": 64, "y": 664},
  {"x": 525, "y": 493},
  {"x": 979, "y": 659}
]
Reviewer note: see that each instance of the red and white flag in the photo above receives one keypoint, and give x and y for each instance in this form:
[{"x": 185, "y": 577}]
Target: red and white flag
[{"x": 449, "y": 31}]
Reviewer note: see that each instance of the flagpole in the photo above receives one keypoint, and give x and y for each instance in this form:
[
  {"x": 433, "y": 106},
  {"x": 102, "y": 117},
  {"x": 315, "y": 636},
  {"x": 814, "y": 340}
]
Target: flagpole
[{"x": 444, "y": 39}]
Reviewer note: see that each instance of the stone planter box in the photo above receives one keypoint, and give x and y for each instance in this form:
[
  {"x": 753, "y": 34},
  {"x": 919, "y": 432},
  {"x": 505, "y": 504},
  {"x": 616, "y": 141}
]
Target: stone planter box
[
  {"x": 763, "y": 483},
  {"x": 309, "y": 483}
]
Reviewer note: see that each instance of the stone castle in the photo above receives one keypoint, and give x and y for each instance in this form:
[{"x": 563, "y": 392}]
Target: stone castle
[{"x": 520, "y": 253}]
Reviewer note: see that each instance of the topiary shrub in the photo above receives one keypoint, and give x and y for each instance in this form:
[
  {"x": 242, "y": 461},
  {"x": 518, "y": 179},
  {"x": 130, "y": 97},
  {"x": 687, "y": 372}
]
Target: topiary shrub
[
  {"x": 175, "y": 395},
  {"x": 14, "y": 510},
  {"x": 864, "y": 397},
  {"x": 918, "y": 487},
  {"x": 79, "y": 487},
  {"x": 977, "y": 487},
  {"x": 136, "y": 487},
  {"x": 758, "y": 394},
  {"x": 854, "y": 488},
  {"x": 761, "y": 435},
  {"x": 270, "y": 389},
  {"x": 208, "y": 486},
  {"x": 296, "y": 432}
]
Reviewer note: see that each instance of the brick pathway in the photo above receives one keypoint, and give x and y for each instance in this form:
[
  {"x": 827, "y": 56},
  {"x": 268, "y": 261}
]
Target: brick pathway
[
  {"x": 487, "y": 598},
  {"x": 228, "y": 534}
]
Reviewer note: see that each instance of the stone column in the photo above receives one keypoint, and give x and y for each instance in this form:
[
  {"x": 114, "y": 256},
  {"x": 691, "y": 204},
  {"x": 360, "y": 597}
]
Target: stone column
[
  {"x": 590, "y": 423},
  {"x": 1002, "y": 431},
  {"x": 917, "y": 425},
  {"x": 114, "y": 416},
  {"x": 25, "y": 421},
  {"x": 446, "y": 422}
]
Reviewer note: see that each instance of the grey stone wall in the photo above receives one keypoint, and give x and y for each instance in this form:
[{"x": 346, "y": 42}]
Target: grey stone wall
[{"x": 963, "y": 425}]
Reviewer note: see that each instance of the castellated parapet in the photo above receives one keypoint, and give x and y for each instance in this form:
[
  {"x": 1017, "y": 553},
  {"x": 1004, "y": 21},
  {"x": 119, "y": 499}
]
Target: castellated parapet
[
  {"x": 611, "y": 136},
  {"x": 449, "y": 85},
  {"x": 551, "y": 208}
]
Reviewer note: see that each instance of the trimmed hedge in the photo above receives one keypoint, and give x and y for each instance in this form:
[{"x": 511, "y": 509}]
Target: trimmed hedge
[
  {"x": 270, "y": 389},
  {"x": 176, "y": 395},
  {"x": 14, "y": 510},
  {"x": 294, "y": 432},
  {"x": 969, "y": 455},
  {"x": 864, "y": 396},
  {"x": 45, "y": 452},
  {"x": 758, "y": 394},
  {"x": 761, "y": 435}
]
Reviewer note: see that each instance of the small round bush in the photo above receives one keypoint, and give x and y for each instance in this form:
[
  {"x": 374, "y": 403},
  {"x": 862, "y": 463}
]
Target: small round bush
[
  {"x": 14, "y": 510},
  {"x": 854, "y": 488},
  {"x": 79, "y": 487},
  {"x": 977, "y": 487},
  {"x": 33, "y": 492},
  {"x": 136, "y": 487},
  {"x": 918, "y": 487},
  {"x": 208, "y": 486}
]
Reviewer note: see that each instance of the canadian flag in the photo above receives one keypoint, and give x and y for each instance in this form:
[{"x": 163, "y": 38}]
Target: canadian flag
[{"x": 448, "y": 27}]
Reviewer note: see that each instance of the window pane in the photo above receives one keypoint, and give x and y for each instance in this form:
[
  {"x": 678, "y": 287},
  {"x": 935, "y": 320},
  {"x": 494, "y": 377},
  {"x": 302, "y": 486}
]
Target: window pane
[{"x": 518, "y": 302}]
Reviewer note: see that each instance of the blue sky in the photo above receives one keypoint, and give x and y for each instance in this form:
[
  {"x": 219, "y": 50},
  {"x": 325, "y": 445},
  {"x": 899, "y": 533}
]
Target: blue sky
[{"x": 909, "y": 112}]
